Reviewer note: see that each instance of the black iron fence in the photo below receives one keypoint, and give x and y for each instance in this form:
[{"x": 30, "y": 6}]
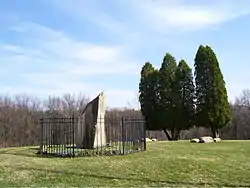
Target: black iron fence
[{"x": 73, "y": 136}]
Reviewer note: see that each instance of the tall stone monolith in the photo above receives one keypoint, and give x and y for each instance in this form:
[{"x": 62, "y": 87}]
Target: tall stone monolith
[{"x": 90, "y": 131}]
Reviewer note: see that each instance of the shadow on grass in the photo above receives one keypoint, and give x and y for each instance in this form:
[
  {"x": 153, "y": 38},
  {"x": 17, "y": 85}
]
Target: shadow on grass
[
  {"x": 27, "y": 152},
  {"x": 33, "y": 152},
  {"x": 145, "y": 180}
]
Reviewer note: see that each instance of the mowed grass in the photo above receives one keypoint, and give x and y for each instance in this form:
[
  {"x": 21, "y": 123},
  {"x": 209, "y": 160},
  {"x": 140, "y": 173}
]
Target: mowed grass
[{"x": 164, "y": 164}]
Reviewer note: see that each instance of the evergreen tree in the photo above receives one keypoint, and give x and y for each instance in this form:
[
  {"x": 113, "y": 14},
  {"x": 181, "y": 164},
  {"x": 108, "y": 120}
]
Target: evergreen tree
[
  {"x": 185, "y": 93},
  {"x": 167, "y": 95},
  {"x": 148, "y": 96},
  {"x": 212, "y": 106}
]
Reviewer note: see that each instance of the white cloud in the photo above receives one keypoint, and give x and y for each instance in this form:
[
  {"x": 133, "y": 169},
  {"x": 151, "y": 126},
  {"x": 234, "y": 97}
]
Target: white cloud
[
  {"x": 54, "y": 63},
  {"x": 12, "y": 48},
  {"x": 178, "y": 14},
  {"x": 156, "y": 14}
]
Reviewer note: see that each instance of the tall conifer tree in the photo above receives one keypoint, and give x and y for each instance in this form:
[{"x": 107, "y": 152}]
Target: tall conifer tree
[
  {"x": 185, "y": 93},
  {"x": 212, "y": 106}
]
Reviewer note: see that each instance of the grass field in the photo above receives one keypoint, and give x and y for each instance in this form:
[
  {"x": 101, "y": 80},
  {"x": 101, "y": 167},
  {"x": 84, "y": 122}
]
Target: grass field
[{"x": 168, "y": 164}]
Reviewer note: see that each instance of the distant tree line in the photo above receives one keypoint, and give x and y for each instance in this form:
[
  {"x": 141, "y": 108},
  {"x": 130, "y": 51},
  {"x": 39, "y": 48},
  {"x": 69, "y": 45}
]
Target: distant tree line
[
  {"x": 237, "y": 129},
  {"x": 172, "y": 101},
  {"x": 19, "y": 118}
]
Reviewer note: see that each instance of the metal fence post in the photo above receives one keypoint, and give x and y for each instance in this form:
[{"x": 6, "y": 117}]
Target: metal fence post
[
  {"x": 145, "y": 143},
  {"x": 73, "y": 136},
  {"x": 123, "y": 139},
  {"x": 41, "y": 137}
]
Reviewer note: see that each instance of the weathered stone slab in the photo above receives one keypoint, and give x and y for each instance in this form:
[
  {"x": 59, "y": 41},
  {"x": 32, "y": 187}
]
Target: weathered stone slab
[{"x": 90, "y": 131}]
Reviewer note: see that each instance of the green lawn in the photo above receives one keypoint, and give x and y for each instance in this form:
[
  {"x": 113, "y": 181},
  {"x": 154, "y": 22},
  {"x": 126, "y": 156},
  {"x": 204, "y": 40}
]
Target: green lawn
[{"x": 168, "y": 164}]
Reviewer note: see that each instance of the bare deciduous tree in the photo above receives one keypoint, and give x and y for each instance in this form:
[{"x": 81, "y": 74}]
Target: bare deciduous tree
[{"x": 19, "y": 118}]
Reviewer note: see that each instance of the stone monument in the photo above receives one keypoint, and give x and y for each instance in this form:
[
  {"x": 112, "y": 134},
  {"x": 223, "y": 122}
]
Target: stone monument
[{"x": 90, "y": 130}]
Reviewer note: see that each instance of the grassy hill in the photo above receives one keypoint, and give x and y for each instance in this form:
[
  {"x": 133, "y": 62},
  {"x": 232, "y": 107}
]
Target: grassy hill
[{"x": 168, "y": 164}]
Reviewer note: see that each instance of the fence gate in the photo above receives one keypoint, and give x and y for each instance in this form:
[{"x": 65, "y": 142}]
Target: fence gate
[{"x": 60, "y": 137}]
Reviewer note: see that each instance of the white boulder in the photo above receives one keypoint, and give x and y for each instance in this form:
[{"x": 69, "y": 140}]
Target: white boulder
[
  {"x": 148, "y": 140},
  {"x": 206, "y": 139},
  {"x": 195, "y": 140},
  {"x": 217, "y": 139}
]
